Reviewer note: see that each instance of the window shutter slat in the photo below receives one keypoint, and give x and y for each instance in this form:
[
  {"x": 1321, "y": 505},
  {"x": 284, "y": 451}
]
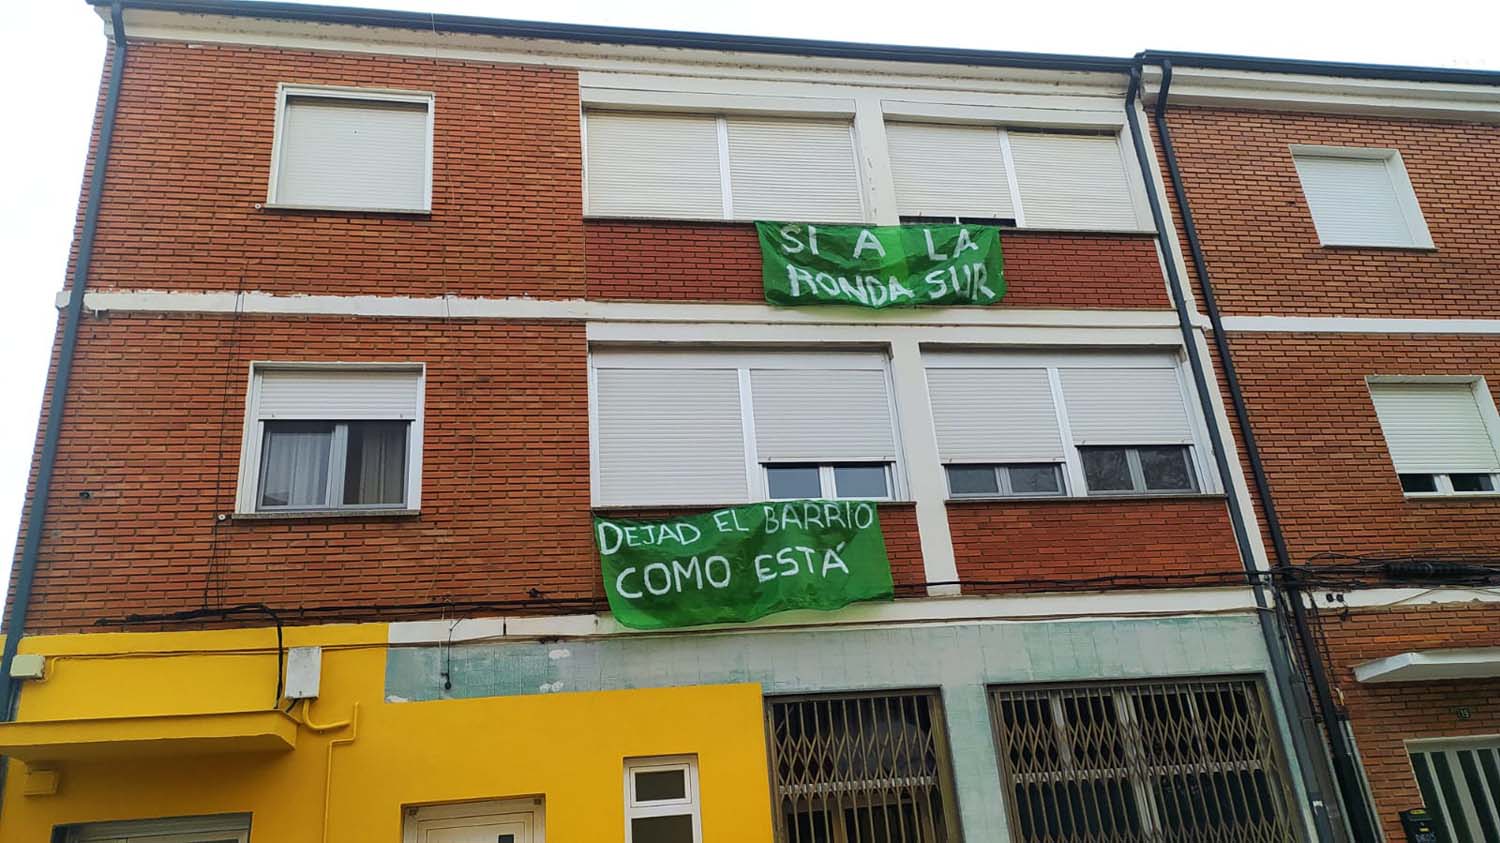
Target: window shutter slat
[
  {"x": 654, "y": 165},
  {"x": 994, "y": 415},
  {"x": 954, "y": 171},
  {"x": 345, "y": 153},
  {"x": 1125, "y": 406},
  {"x": 669, "y": 436},
  {"x": 1072, "y": 182},
  {"x": 1353, "y": 201},
  {"x": 1434, "y": 428},
  {"x": 793, "y": 170},
  {"x": 339, "y": 394},
  {"x": 822, "y": 415}
]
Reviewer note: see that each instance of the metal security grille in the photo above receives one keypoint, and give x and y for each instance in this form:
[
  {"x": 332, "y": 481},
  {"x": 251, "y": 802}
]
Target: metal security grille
[
  {"x": 1194, "y": 760},
  {"x": 861, "y": 768},
  {"x": 1460, "y": 785}
]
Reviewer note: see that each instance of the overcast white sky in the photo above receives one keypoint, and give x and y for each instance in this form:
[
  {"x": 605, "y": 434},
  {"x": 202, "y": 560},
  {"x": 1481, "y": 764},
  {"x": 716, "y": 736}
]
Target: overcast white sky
[{"x": 51, "y": 51}]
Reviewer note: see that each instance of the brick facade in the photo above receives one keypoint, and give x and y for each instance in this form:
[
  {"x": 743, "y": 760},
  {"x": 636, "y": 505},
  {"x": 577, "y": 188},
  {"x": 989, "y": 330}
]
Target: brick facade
[
  {"x": 1008, "y": 546},
  {"x": 1258, "y": 236},
  {"x": 180, "y": 207},
  {"x": 1385, "y": 716}
]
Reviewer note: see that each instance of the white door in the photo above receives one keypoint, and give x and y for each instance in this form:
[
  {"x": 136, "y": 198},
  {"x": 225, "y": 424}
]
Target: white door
[{"x": 515, "y": 821}]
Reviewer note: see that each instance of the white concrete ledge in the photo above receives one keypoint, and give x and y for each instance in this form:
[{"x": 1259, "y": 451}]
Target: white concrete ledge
[{"x": 1432, "y": 666}]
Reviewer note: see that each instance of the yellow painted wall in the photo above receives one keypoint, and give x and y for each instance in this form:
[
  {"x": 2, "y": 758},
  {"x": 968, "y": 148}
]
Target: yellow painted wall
[{"x": 567, "y": 747}]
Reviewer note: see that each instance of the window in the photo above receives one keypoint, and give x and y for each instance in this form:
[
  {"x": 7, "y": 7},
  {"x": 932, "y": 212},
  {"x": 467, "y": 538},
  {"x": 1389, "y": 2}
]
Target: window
[
  {"x": 661, "y": 800},
  {"x": 700, "y": 166},
  {"x": 706, "y": 427},
  {"x": 233, "y": 828},
  {"x": 861, "y": 768},
  {"x": 1360, "y": 197},
  {"x": 1075, "y": 181},
  {"x": 343, "y": 149},
  {"x": 1105, "y": 763},
  {"x": 1460, "y": 784},
  {"x": 331, "y": 438},
  {"x": 945, "y": 172},
  {"x": 1440, "y": 434},
  {"x": 1016, "y": 425},
  {"x": 997, "y": 176}
]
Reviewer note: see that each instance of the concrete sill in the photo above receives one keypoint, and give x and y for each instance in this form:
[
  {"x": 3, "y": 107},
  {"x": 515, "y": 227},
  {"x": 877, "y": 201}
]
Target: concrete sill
[
  {"x": 1084, "y": 499},
  {"x": 151, "y": 735},
  {"x": 323, "y": 514},
  {"x": 329, "y": 209}
]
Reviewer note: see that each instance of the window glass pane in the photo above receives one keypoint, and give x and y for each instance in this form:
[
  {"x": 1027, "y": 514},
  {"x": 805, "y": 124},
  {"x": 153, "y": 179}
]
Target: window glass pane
[
  {"x": 973, "y": 480},
  {"x": 674, "y": 829},
  {"x": 1106, "y": 469},
  {"x": 375, "y": 469},
  {"x": 1472, "y": 482},
  {"x": 860, "y": 481},
  {"x": 1418, "y": 483},
  {"x": 294, "y": 464},
  {"x": 793, "y": 481},
  {"x": 1166, "y": 468},
  {"x": 658, "y": 785},
  {"x": 1034, "y": 479}
]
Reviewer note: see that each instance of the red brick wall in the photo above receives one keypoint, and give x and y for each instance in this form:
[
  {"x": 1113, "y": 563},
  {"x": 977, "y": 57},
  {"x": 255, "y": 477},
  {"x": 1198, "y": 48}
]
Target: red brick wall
[
  {"x": 1258, "y": 235},
  {"x": 153, "y": 438},
  {"x": 694, "y": 261},
  {"x": 1330, "y": 472},
  {"x": 1386, "y": 715},
  {"x": 1005, "y": 542},
  {"x": 192, "y": 157}
]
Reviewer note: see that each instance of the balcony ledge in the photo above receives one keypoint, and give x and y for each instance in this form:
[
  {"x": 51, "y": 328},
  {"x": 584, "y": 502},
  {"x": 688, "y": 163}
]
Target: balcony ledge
[
  {"x": 148, "y": 736},
  {"x": 1432, "y": 666}
]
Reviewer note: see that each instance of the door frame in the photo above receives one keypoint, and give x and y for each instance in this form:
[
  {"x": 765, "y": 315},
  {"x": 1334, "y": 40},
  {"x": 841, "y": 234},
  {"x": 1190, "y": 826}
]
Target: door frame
[{"x": 414, "y": 815}]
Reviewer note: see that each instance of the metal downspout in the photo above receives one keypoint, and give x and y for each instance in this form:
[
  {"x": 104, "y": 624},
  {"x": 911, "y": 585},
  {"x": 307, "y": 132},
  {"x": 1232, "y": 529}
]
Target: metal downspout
[
  {"x": 1346, "y": 769},
  {"x": 1280, "y": 663},
  {"x": 37, "y": 516}
]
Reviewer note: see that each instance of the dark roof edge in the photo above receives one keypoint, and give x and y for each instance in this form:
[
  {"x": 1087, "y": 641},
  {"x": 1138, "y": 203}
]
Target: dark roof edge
[
  {"x": 625, "y": 36},
  {"x": 1347, "y": 70}
]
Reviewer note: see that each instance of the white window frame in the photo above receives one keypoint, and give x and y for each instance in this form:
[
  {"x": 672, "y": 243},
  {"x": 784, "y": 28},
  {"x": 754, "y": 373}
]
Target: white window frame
[
  {"x": 1488, "y": 414},
  {"x": 459, "y": 814},
  {"x": 247, "y": 495},
  {"x": 726, "y": 186},
  {"x": 827, "y": 486},
  {"x": 743, "y": 362},
  {"x": 175, "y": 830},
  {"x": 1406, "y": 196},
  {"x": 689, "y": 805},
  {"x": 374, "y": 95},
  {"x": 1457, "y": 743},
  {"x": 1074, "y": 485}
]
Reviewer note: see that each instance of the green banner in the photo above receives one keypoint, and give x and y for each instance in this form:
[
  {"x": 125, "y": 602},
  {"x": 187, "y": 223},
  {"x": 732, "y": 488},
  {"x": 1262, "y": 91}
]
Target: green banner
[
  {"x": 880, "y": 266},
  {"x": 742, "y": 563}
]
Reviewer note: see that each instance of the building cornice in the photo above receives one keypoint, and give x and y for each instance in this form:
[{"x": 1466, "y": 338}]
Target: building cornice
[{"x": 1307, "y": 92}]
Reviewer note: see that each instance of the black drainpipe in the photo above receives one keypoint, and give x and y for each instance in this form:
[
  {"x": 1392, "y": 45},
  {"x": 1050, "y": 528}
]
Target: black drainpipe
[
  {"x": 1281, "y": 666},
  {"x": 1346, "y": 768},
  {"x": 37, "y": 516}
]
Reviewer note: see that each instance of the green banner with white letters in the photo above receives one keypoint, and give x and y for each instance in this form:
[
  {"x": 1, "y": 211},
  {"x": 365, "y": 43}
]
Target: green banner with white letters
[
  {"x": 742, "y": 563},
  {"x": 881, "y": 266}
]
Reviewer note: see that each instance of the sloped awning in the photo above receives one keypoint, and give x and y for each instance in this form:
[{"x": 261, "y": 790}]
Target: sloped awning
[
  {"x": 1432, "y": 666},
  {"x": 158, "y": 735}
]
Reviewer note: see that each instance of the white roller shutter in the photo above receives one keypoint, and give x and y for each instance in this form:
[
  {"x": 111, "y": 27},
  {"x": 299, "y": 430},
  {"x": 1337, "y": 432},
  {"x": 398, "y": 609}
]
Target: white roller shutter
[
  {"x": 994, "y": 415},
  {"x": 1073, "y": 182},
  {"x": 1126, "y": 406},
  {"x": 338, "y": 394},
  {"x": 1434, "y": 427},
  {"x": 670, "y": 436},
  {"x": 352, "y": 153},
  {"x": 653, "y": 165},
  {"x": 822, "y": 415},
  {"x": 793, "y": 170},
  {"x": 948, "y": 171},
  {"x": 1353, "y": 201}
]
